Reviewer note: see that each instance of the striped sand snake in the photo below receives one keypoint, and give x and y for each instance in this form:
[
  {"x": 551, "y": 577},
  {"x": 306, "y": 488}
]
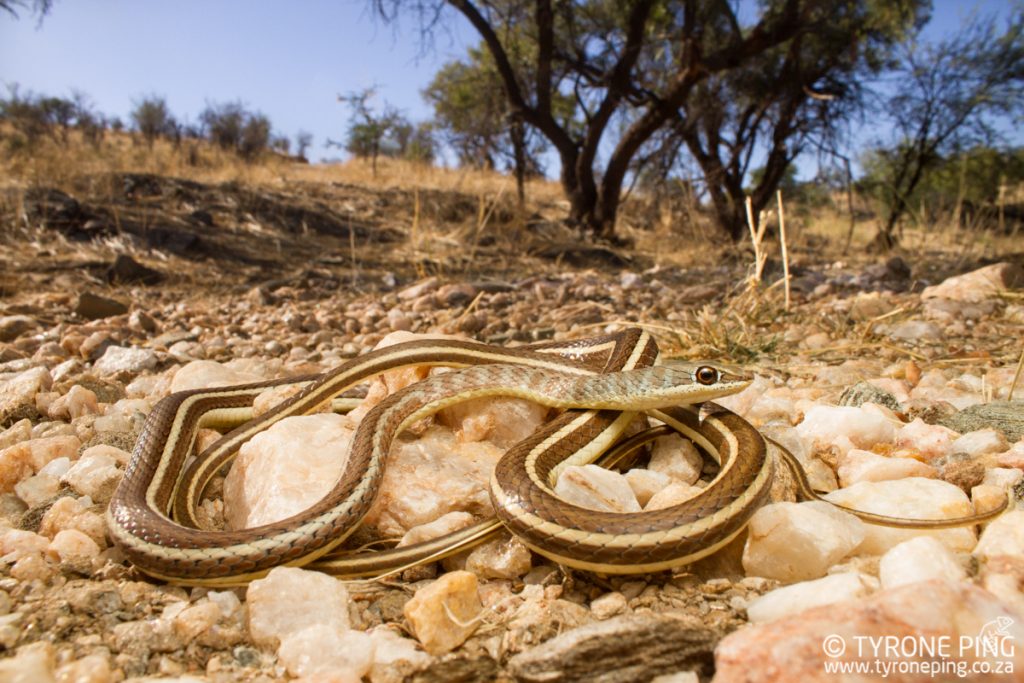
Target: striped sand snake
[{"x": 603, "y": 383}]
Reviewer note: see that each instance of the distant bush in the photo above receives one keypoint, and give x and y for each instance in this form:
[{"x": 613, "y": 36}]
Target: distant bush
[
  {"x": 152, "y": 118},
  {"x": 34, "y": 117},
  {"x": 231, "y": 127}
]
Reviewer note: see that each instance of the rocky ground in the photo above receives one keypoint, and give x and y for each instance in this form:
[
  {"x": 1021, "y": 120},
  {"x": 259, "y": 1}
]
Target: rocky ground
[{"x": 889, "y": 380}]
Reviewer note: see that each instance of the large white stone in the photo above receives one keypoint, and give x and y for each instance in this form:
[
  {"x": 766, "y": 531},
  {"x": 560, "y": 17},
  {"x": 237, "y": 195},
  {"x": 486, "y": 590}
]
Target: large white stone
[
  {"x": 1003, "y": 536},
  {"x": 911, "y": 498},
  {"x": 676, "y": 457},
  {"x": 798, "y": 597},
  {"x": 290, "y": 599},
  {"x": 845, "y": 427},
  {"x": 799, "y": 541},
  {"x": 919, "y": 559},
  {"x": 860, "y": 465},
  {"x": 596, "y": 488},
  {"x": 323, "y": 651},
  {"x": 206, "y": 374},
  {"x": 118, "y": 359},
  {"x": 286, "y": 469}
]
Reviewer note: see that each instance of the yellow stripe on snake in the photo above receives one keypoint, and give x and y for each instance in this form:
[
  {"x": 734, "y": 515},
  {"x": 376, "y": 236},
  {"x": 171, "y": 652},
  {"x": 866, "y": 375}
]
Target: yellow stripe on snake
[{"x": 603, "y": 383}]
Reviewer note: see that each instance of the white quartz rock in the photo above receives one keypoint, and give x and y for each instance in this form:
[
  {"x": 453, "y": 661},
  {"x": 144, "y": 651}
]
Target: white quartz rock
[
  {"x": 290, "y": 599},
  {"x": 502, "y": 558},
  {"x": 677, "y": 457},
  {"x": 646, "y": 483},
  {"x": 445, "y": 524},
  {"x": 675, "y": 493},
  {"x": 286, "y": 469},
  {"x": 596, "y": 488},
  {"x": 799, "y": 541},
  {"x": 431, "y": 476},
  {"x": 913, "y": 498},
  {"x": 323, "y": 651},
  {"x": 118, "y": 359},
  {"x": 919, "y": 559},
  {"x": 798, "y": 597},
  {"x": 845, "y": 427},
  {"x": 860, "y": 465},
  {"x": 394, "y": 658},
  {"x": 980, "y": 442},
  {"x": 1003, "y": 536},
  {"x": 95, "y": 475},
  {"x": 206, "y": 374}
]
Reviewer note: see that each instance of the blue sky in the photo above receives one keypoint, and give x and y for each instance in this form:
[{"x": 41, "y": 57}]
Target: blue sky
[{"x": 289, "y": 64}]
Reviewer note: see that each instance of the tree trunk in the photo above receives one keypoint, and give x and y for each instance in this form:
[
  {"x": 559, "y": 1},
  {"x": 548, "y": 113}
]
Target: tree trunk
[{"x": 518, "y": 135}]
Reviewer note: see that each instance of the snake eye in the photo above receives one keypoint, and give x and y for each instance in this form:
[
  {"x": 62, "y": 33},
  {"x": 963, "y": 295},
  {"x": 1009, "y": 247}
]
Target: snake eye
[{"x": 706, "y": 374}]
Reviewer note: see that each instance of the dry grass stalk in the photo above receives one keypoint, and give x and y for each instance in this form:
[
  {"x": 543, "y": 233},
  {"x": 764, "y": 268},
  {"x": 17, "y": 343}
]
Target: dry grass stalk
[
  {"x": 785, "y": 253},
  {"x": 1016, "y": 375}
]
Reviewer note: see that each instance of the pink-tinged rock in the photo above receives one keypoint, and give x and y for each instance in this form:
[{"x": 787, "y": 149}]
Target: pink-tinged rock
[
  {"x": 743, "y": 402},
  {"x": 919, "y": 559},
  {"x": 17, "y": 543},
  {"x": 676, "y": 457},
  {"x": 206, "y": 374},
  {"x": 845, "y": 428},
  {"x": 73, "y": 513},
  {"x": 1013, "y": 457},
  {"x": 1003, "y": 536},
  {"x": 445, "y": 524},
  {"x": 87, "y": 669},
  {"x": 322, "y": 651},
  {"x": 73, "y": 548},
  {"x": 799, "y": 541},
  {"x": 899, "y": 388},
  {"x": 595, "y": 488},
  {"x": 195, "y": 619},
  {"x": 931, "y": 441},
  {"x": 646, "y": 483},
  {"x": 978, "y": 285},
  {"x": 800, "y": 647},
  {"x": 912, "y": 498},
  {"x": 16, "y": 433},
  {"x": 38, "y": 489},
  {"x": 798, "y": 597},
  {"x": 77, "y": 402},
  {"x": 502, "y": 421},
  {"x": 286, "y": 469},
  {"x": 502, "y": 558},
  {"x": 860, "y": 465},
  {"x": 986, "y": 497},
  {"x": 675, "y": 493},
  {"x": 38, "y": 452},
  {"x": 290, "y": 599},
  {"x": 445, "y": 613},
  {"x": 273, "y": 397},
  {"x": 395, "y": 658}
]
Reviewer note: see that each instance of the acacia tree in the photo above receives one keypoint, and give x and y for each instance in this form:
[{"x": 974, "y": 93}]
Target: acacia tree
[
  {"x": 945, "y": 98},
  {"x": 599, "y": 52},
  {"x": 784, "y": 99}
]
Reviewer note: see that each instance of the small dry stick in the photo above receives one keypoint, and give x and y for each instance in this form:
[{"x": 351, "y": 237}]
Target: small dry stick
[
  {"x": 1016, "y": 376},
  {"x": 755, "y": 237},
  {"x": 782, "y": 238}
]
